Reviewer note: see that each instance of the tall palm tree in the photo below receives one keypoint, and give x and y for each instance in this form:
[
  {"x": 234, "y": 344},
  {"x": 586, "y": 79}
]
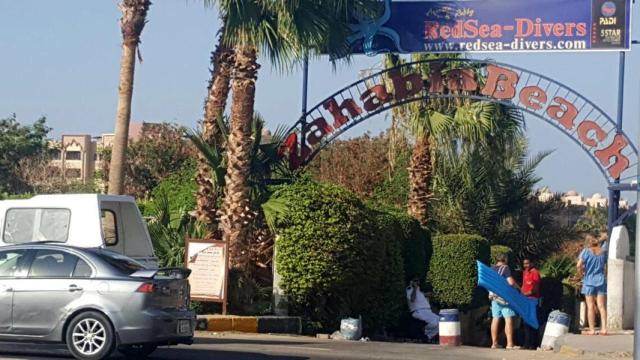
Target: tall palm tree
[
  {"x": 222, "y": 60},
  {"x": 444, "y": 124},
  {"x": 285, "y": 31},
  {"x": 134, "y": 18}
]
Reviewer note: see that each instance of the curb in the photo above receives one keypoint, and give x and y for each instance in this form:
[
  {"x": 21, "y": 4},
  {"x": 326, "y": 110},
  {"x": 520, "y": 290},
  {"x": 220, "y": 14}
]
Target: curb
[
  {"x": 250, "y": 324},
  {"x": 575, "y": 352}
]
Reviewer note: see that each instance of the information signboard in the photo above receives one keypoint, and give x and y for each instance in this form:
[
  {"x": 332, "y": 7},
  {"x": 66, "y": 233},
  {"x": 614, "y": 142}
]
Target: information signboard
[
  {"x": 208, "y": 262},
  {"x": 495, "y": 26}
]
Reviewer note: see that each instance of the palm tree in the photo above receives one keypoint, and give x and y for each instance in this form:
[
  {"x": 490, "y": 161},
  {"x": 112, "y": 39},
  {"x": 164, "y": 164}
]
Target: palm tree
[
  {"x": 285, "y": 31},
  {"x": 134, "y": 18},
  {"x": 222, "y": 60},
  {"x": 263, "y": 159}
]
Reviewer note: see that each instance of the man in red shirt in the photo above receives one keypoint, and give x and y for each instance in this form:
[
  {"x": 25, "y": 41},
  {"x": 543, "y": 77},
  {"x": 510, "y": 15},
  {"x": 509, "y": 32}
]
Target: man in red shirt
[{"x": 531, "y": 289}]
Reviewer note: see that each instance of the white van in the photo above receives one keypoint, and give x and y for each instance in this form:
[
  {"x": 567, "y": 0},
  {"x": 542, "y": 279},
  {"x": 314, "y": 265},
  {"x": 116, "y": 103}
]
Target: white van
[{"x": 82, "y": 220}]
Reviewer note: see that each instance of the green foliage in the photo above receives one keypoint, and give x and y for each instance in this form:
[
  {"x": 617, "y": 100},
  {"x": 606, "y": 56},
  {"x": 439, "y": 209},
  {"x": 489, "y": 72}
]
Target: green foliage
[
  {"x": 416, "y": 247},
  {"x": 18, "y": 142},
  {"x": 160, "y": 151},
  {"x": 388, "y": 270},
  {"x": 168, "y": 230},
  {"x": 337, "y": 257},
  {"x": 559, "y": 267},
  {"x": 179, "y": 188},
  {"x": 593, "y": 221},
  {"x": 453, "y": 272},
  {"x": 502, "y": 250}
]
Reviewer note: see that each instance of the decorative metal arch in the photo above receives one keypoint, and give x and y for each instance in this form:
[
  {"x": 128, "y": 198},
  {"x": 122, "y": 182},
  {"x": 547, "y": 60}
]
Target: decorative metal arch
[{"x": 319, "y": 126}]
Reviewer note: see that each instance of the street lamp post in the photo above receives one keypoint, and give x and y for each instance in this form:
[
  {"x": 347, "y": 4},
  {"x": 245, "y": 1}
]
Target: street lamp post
[{"x": 636, "y": 317}]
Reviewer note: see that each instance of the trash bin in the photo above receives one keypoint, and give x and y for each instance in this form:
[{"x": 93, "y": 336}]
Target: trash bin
[
  {"x": 557, "y": 327},
  {"x": 450, "y": 328},
  {"x": 351, "y": 329}
]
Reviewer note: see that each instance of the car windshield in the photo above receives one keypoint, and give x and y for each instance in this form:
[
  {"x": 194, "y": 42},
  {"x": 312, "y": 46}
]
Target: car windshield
[{"x": 122, "y": 263}]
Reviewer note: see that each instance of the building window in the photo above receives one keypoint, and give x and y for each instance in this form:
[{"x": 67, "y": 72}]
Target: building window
[
  {"x": 54, "y": 154},
  {"x": 73, "y": 155}
]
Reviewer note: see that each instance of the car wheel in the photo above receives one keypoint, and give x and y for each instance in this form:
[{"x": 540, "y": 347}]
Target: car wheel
[
  {"x": 137, "y": 351},
  {"x": 90, "y": 336}
]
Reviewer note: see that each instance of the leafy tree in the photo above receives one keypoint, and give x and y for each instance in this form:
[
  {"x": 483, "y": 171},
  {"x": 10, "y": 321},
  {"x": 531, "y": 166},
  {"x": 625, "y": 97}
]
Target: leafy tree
[
  {"x": 18, "y": 142},
  {"x": 160, "y": 152},
  {"x": 359, "y": 164}
]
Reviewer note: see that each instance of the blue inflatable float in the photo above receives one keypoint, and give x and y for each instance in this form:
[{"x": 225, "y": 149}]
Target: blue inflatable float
[{"x": 522, "y": 305}]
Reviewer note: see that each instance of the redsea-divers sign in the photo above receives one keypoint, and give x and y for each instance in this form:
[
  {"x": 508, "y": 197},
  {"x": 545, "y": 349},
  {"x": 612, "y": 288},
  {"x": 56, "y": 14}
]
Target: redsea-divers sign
[{"x": 494, "y": 26}]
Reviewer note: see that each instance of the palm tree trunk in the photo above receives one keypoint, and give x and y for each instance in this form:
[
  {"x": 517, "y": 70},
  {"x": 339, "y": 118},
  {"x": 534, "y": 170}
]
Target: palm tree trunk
[
  {"x": 420, "y": 178},
  {"x": 217, "y": 93},
  {"x": 134, "y": 14},
  {"x": 237, "y": 212}
]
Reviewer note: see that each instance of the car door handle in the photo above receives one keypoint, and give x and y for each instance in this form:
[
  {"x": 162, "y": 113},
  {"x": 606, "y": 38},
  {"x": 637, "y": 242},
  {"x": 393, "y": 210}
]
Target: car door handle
[{"x": 73, "y": 288}]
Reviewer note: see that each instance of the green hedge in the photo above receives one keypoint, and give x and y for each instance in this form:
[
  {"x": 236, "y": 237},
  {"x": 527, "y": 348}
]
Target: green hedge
[
  {"x": 414, "y": 239},
  {"x": 452, "y": 271},
  {"x": 416, "y": 248},
  {"x": 338, "y": 258}
]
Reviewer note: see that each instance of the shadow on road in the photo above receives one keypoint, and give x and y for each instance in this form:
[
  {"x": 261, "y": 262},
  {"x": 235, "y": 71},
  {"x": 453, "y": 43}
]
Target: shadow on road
[
  {"x": 43, "y": 352},
  {"x": 222, "y": 341}
]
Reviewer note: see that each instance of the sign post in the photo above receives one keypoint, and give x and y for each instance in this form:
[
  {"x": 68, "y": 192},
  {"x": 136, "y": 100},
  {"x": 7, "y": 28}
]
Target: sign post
[{"x": 208, "y": 261}]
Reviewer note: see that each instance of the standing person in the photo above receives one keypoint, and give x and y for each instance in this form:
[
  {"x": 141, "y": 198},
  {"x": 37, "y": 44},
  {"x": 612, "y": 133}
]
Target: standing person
[
  {"x": 500, "y": 308},
  {"x": 421, "y": 310},
  {"x": 592, "y": 266},
  {"x": 531, "y": 289}
]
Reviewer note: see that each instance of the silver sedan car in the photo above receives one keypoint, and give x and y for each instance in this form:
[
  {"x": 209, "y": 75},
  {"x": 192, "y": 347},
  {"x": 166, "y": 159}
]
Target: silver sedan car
[{"x": 93, "y": 300}]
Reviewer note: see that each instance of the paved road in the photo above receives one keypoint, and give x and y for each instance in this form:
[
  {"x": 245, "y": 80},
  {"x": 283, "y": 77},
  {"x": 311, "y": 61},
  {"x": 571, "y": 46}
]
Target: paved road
[{"x": 265, "y": 347}]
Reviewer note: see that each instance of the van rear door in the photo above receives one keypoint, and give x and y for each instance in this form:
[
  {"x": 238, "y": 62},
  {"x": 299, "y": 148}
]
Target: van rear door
[{"x": 124, "y": 231}]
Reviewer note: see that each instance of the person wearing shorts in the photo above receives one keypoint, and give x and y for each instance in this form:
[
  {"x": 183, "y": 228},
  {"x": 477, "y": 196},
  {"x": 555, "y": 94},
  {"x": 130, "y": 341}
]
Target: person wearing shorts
[
  {"x": 592, "y": 265},
  {"x": 499, "y": 309}
]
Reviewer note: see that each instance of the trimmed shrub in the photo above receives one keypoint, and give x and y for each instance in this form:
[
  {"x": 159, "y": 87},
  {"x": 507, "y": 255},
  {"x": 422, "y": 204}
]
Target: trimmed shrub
[
  {"x": 416, "y": 248},
  {"x": 336, "y": 257},
  {"x": 392, "y": 302},
  {"x": 415, "y": 243},
  {"x": 452, "y": 270}
]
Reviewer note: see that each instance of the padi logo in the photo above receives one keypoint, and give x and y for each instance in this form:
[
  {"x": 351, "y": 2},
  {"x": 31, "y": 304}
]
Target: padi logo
[{"x": 608, "y": 9}]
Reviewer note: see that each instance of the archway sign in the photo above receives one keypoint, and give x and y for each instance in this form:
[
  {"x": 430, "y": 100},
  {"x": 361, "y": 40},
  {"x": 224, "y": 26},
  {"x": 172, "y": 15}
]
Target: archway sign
[
  {"x": 483, "y": 26},
  {"x": 579, "y": 119},
  {"x": 486, "y": 26}
]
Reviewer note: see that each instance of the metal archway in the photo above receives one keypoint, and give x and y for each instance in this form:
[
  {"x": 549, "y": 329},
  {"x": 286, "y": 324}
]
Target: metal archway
[
  {"x": 581, "y": 120},
  {"x": 586, "y": 124}
]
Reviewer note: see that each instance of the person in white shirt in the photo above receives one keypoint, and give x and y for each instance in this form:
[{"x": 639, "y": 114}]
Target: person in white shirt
[{"x": 421, "y": 309}]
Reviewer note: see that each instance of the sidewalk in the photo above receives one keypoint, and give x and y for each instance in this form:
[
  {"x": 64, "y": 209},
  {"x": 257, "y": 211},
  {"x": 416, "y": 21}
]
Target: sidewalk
[{"x": 613, "y": 345}]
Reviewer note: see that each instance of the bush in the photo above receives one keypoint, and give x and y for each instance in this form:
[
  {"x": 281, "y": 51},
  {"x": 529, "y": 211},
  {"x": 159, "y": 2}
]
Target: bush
[
  {"x": 416, "y": 248},
  {"x": 502, "y": 250},
  {"x": 391, "y": 302},
  {"x": 179, "y": 189},
  {"x": 559, "y": 267},
  {"x": 334, "y": 259},
  {"x": 415, "y": 242},
  {"x": 453, "y": 272}
]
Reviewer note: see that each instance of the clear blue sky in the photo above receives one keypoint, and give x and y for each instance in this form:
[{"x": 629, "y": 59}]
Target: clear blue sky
[{"x": 61, "y": 59}]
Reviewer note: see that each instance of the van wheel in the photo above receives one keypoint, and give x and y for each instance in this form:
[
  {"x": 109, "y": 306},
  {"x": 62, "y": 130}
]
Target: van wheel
[
  {"x": 137, "y": 351},
  {"x": 90, "y": 336}
]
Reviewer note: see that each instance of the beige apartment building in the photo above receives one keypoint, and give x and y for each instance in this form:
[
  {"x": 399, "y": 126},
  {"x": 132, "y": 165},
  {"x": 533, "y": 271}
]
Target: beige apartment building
[{"x": 79, "y": 156}]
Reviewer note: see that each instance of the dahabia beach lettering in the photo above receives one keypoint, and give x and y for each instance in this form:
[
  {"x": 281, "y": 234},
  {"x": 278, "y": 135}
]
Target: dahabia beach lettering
[{"x": 501, "y": 84}]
